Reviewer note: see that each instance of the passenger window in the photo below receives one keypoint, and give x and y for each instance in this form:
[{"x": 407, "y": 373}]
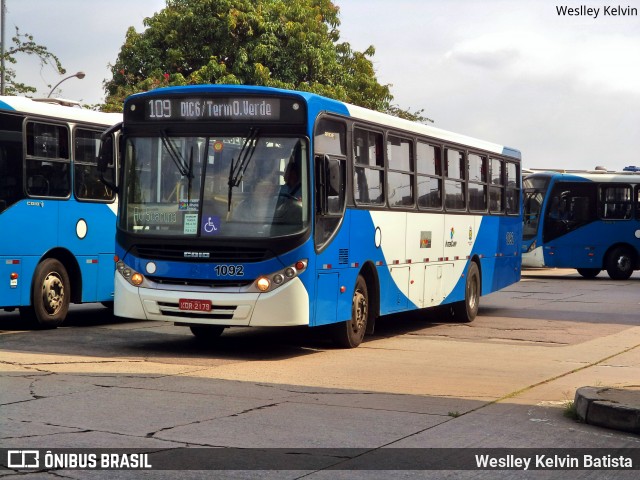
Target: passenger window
[
  {"x": 455, "y": 164},
  {"x": 454, "y": 186},
  {"x": 615, "y": 202},
  {"x": 400, "y": 176},
  {"x": 48, "y": 172},
  {"x": 429, "y": 177},
  {"x": 496, "y": 188},
  {"x": 569, "y": 206},
  {"x": 477, "y": 183},
  {"x": 368, "y": 184},
  {"x": 87, "y": 184},
  {"x": 512, "y": 198}
]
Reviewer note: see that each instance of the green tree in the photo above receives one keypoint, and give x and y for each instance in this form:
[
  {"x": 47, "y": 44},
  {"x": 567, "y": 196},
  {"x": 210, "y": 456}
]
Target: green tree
[
  {"x": 279, "y": 43},
  {"x": 24, "y": 44}
]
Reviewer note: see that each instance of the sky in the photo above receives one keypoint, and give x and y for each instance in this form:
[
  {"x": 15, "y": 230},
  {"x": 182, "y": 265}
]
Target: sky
[{"x": 562, "y": 89}]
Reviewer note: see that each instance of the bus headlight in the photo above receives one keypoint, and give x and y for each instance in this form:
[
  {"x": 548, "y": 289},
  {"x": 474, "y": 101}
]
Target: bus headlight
[
  {"x": 266, "y": 283},
  {"x": 263, "y": 284},
  {"x": 129, "y": 274}
]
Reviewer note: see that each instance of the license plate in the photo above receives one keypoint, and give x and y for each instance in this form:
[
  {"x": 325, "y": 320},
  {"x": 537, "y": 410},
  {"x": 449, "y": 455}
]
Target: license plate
[{"x": 194, "y": 305}]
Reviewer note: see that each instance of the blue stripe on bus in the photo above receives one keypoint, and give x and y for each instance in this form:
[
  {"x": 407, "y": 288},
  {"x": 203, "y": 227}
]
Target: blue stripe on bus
[{"x": 6, "y": 106}]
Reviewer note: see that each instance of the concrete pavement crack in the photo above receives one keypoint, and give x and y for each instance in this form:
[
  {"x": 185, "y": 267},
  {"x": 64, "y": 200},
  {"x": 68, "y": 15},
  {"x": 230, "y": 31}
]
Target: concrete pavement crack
[{"x": 156, "y": 432}]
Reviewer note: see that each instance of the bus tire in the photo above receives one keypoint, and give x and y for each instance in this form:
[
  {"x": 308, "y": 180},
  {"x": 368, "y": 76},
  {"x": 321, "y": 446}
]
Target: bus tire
[
  {"x": 467, "y": 310},
  {"x": 206, "y": 333},
  {"x": 620, "y": 263},
  {"x": 350, "y": 334},
  {"x": 589, "y": 272},
  {"x": 50, "y": 294}
]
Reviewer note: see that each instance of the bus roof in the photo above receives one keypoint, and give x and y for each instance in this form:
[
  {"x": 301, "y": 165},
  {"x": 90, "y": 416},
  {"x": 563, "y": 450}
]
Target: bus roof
[
  {"x": 421, "y": 129},
  {"x": 319, "y": 103},
  {"x": 55, "y": 110},
  {"x": 593, "y": 176}
]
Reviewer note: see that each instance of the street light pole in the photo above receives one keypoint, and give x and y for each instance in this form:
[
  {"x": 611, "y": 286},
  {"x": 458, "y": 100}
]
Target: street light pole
[
  {"x": 2, "y": 6},
  {"x": 79, "y": 75}
]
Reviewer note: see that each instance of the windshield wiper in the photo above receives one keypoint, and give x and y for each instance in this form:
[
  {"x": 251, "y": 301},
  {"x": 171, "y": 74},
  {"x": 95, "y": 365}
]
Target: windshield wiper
[
  {"x": 177, "y": 159},
  {"x": 237, "y": 168}
]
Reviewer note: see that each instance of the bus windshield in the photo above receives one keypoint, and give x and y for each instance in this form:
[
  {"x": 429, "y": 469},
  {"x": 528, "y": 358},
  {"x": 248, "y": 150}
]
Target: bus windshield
[
  {"x": 220, "y": 186},
  {"x": 535, "y": 189}
]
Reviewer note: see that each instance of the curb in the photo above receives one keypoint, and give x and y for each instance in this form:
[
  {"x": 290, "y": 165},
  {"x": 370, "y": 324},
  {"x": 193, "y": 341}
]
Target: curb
[{"x": 615, "y": 408}]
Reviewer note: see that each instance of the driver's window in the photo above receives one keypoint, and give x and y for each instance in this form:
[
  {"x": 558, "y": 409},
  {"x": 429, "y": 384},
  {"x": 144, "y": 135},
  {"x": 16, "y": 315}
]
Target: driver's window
[{"x": 330, "y": 157}]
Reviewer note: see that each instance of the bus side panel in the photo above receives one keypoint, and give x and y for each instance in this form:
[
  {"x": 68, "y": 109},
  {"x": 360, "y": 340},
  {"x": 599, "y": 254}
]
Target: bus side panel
[
  {"x": 10, "y": 288},
  {"x": 106, "y": 271},
  {"x": 509, "y": 261},
  {"x": 587, "y": 246},
  {"x": 326, "y": 305},
  {"x": 497, "y": 244},
  {"x": 379, "y": 237},
  {"x": 393, "y": 234},
  {"x": 30, "y": 228},
  {"x": 504, "y": 267},
  {"x": 427, "y": 279},
  {"x": 421, "y": 258},
  {"x": 334, "y": 270},
  {"x": 87, "y": 230}
]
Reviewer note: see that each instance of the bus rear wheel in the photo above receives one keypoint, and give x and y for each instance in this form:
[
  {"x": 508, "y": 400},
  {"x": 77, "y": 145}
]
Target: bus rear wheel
[
  {"x": 350, "y": 334},
  {"x": 620, "y": 263},
  {"x": 50, "y": 294},
  {"x": 589, "y": 272},
  {"x": 467, "y": 310}
]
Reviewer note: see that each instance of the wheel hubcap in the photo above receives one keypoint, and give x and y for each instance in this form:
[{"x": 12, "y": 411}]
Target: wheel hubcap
[
  {"x": 624, "y": 263},
  {"x": 359, "y": 311},
  {"x": 473, "y": 294},
  {"x": 52, "y": 292}
]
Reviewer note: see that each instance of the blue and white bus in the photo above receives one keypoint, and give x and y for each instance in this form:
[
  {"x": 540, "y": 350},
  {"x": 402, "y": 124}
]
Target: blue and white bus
[
  {"x": 589, "y": 221},
  {"x": 57, "y": 220},
  {"x": 252, "y": 206}
]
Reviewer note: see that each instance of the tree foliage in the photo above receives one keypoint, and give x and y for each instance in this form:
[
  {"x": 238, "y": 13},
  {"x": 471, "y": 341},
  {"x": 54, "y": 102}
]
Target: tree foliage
[
  {"x": 24, "y": 44},
  {"x": 291, "y": 44}
]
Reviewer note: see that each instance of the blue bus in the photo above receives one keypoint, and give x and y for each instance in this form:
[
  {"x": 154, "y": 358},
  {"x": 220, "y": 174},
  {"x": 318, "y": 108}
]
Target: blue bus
[
  {"x": 58, "y": 221},
  {"x": 589, "y": 221},
  {"x": 253, "y": 206}
]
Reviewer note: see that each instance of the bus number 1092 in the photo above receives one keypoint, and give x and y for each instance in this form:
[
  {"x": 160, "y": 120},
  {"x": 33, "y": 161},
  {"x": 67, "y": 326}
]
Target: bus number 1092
[{"x": 229, "y": 270}]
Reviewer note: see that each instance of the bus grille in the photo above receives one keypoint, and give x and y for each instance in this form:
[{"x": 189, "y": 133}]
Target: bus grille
[
  {"x": 182, "y": 282},
  {"x": 200, "y": 254}
]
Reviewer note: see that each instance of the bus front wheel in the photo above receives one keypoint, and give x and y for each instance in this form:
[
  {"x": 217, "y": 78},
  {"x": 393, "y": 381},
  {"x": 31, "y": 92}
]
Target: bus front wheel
[
  {"x": 467, "y": 310},
  {"x": 50, "y": 294},
  {"x": 350, "y": 334},
  {"x": 620, "y": 264}
]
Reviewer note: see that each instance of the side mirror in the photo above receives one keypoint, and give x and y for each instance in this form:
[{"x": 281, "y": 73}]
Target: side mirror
[
  {"x": 329, "y": 185},
  {"x": 105, "y": 157},
  {"x": 334, "y": 177},
  {"x": 107, "y": 153}
]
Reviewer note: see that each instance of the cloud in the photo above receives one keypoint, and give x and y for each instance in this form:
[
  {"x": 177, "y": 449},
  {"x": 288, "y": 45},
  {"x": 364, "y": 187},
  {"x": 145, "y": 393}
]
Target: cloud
[{"x": 487, "y": 59}]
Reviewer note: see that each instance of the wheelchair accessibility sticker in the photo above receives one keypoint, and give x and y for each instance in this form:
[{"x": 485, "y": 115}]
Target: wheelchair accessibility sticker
[{"x": 210, "y": 225}]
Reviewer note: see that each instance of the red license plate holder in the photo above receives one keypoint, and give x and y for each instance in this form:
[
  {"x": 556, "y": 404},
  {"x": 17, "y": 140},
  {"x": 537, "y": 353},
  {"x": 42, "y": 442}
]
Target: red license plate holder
[{"x": 194, "y": 305}]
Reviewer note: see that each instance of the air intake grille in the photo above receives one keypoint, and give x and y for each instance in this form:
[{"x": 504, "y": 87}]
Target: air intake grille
[
  {"x": 179, "y": 282},
  {"x": 199, "y": 254}
]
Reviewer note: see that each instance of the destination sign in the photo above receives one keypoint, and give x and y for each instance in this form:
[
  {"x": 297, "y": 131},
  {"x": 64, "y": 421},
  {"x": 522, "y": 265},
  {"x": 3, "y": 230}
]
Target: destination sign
[{"x": 211, "y": 109}]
